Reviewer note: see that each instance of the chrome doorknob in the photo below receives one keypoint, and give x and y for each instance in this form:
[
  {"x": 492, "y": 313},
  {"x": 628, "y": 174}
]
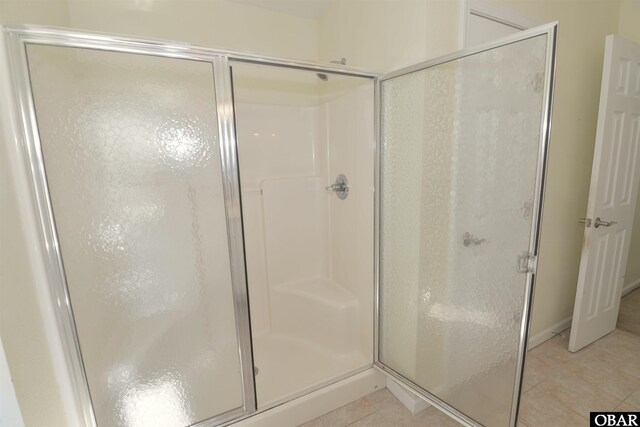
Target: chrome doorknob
[
  {"x": 469, "y": 239},
  {"x": 598, "y": 222}
]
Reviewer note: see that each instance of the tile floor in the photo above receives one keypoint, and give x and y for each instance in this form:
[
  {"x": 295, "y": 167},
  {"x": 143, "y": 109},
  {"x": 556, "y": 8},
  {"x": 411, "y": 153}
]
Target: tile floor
[{"x": 560, "y": 387}]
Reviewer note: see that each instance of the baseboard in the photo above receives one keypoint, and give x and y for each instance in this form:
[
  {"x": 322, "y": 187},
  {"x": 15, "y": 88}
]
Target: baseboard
[
  {"x": 547, "y": 334},
  {"x": 631, "y": 287}
]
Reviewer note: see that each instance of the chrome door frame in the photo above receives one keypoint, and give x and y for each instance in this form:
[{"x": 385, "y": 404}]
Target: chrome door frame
[
  {"x": 18, "y": 37},
  {"x": 551, "y": 31}
]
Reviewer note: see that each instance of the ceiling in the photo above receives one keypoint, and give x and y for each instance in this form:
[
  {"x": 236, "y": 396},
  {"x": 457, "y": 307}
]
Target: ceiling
[{"x": 304, "y": 8}]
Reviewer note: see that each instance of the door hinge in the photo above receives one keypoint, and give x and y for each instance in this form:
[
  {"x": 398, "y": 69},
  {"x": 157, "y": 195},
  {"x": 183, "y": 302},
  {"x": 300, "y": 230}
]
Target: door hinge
[{"x": 527, "y": 263}]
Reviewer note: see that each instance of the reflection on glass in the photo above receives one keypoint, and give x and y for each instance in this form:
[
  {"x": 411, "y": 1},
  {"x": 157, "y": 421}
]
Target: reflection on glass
[
  {"x": 133, "y": 168},
  {"x": 458, "y": 169}
]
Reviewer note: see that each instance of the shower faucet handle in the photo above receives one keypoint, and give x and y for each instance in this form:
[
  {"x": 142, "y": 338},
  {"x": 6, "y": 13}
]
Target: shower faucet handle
[
  {"x": 340, "y": 187},
  {"x": 336, "y": 187}
]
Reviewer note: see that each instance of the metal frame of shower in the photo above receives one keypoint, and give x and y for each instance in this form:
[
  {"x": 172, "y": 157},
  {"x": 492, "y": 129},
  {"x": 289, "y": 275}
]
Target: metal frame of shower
[
  {"x": 551, "y": 31},
  {"x": 18, "y": 37}
]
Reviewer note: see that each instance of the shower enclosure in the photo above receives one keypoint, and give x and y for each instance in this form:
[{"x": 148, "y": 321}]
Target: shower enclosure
[{"x": 225, "y": 232}]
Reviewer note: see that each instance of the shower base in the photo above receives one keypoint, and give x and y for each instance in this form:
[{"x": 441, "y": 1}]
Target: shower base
[
  {"x": 313, "y": 340},
  {"x": 319, "y": 402},
  {"x": 289, "y": 366}
]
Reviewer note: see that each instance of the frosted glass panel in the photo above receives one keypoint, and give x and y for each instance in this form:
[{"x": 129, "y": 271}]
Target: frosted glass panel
[
  {"x": 459, "y": 156},
  {"x": 133, "y": 166}
]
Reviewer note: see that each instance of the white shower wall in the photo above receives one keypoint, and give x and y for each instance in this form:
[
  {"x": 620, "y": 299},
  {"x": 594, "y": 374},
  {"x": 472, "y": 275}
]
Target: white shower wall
[
  {"x": 309, "y": 260},
  {"x": 351, "y": 146},
  {"x": 280, "y": 146}
]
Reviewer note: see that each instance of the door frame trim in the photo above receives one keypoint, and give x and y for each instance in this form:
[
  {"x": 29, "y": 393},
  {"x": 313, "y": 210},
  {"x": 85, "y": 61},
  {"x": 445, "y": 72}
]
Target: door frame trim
[
  {"x": 492, "y": 12},
  {"x": 551, "y": 31}
]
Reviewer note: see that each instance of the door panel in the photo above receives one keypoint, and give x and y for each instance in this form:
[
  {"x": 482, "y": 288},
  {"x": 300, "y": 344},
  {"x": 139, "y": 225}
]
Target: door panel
[
  {"x": 132, "y": 158},
  {"x": 462, "y": 145},
  {"x": 615, "y": 179}
]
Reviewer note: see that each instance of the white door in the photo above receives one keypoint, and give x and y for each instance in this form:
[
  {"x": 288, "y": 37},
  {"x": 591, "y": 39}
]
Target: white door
[
  {"x": 460, "y": 183},
  {"x": 612, "y": 198}
]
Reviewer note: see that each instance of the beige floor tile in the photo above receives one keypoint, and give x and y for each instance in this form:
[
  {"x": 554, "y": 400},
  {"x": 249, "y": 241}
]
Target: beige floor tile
[
  {"x": 395, "y": 412},
  {"x": 578, "y": 395},
  {"x": 562, "y": 338},
  {"x": 380, "y": 397},
  {"x": 348, "y": 414},
  {"x": 372, "y": 420},
  {"x": 526, "y": 385},
  {"x": 633, "y": 399},
  {"x": 619, "y": 340},
  {"x": 552, "y": 359},
  {"x": 534, "y": 371},
  {"x": 608, "y": 378},
  {"x": 629, "y": 317},
  {"x": 623, "y": 359},
  {"x": 539, "y": 367},
  {"x": 434, "y": 417},
  {"x": 539, "y": 410},
  {"x": 313, "y": 423},
  {"x": 625, "y": 407},
  {"x": 552, "y": 351},
  {"x": 632, "y": 299}
]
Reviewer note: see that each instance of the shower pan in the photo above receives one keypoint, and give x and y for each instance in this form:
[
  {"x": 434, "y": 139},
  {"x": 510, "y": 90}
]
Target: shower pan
[{"x": 228, "y": 238}]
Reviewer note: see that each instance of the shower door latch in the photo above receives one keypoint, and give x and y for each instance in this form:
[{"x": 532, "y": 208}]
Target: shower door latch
[{"x": 527, "y": 263}]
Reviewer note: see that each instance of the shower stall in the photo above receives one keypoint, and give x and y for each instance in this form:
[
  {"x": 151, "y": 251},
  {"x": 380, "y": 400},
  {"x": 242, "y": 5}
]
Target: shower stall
[{"x": 226, "y": 235}]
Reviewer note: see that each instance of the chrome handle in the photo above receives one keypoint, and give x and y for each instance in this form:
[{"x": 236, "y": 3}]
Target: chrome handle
[
  {"x": 336, "y": 187},
  {"x": 598, "y": 222},
  {"x": 586, "y": 221},
  {"x": 340, "y": 187},
  {"x": 469, "y": 239}
]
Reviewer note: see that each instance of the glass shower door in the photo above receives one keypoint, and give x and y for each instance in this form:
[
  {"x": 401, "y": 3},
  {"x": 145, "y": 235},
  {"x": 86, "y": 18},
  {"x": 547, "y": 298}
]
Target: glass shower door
[
  {"x": 139, "y": 189},
  {"x": 461, "y": 170}
]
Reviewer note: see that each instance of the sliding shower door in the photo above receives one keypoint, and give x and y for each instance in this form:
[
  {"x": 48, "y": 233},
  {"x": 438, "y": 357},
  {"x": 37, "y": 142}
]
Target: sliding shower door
[
  {"x": 462, "y": 152},
  {"x": 137, "y": 189}
]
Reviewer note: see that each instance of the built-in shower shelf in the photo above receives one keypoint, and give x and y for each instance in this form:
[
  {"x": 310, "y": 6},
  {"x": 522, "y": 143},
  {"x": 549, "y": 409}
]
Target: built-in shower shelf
[
  {"x": 316, "y": 309},
  {"x": 321, "y": 290}
]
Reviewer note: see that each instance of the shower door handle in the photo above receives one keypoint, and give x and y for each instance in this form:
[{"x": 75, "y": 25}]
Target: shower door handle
[{"x": 469, "y": 239}]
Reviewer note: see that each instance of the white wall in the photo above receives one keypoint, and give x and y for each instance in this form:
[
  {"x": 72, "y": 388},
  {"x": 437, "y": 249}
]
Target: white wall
[
  {"x": 10, "y": 415},
  {"x": 383, "y": 35},
  {"x": 218, "y": 23},
  {"x": 27, "y": 325},
  {"x": 42, "y": 12},
  {"x": 632, "y": 275}
]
